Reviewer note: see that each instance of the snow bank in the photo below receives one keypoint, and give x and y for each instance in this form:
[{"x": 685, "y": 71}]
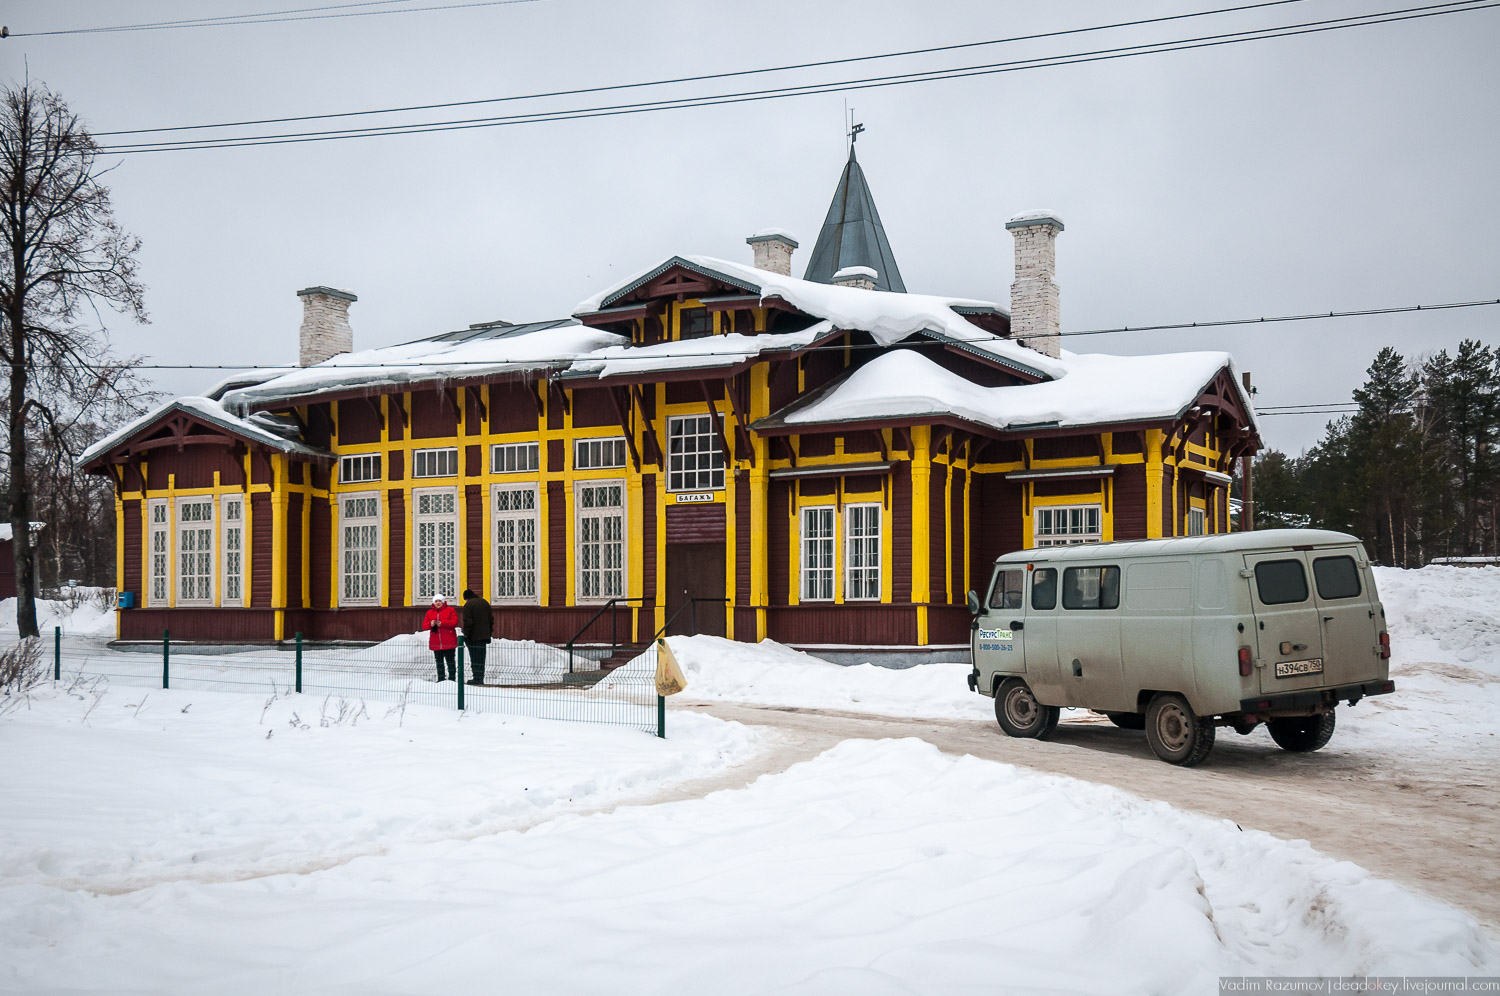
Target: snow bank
[
  {"x": 85, "y": 618},
  {"x": 879, "y": 867},
  {"x": 1443, "y": 615},
  {"x": 771, "y": 674}
]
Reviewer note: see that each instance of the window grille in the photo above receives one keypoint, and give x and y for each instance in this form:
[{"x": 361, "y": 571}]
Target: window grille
[
  {"x": 861, "y": 552},
  {"x": 599, "y": 454},
  {"x": 1196, "y": 522},
  {"x": 695, "y": 461},
  {"x": 514, "y": 458},
  {"x": 515, "y": 544},
  {"x": 1066, "y": 525},
  {"x": 436, "y": 550},
  {"x": 695, "y": 323},
  {"x": 359, "y": 528},
  {"x": 160, "y": 553},
  {"x": 817, "y": 553},
  {"x": 435, "y": 463},
  {"x": 195, "y": 552},
  {"x": 601, "y": 541},
  {"x": 359, "y": 468},
  {"x": 233, "y": 513}
]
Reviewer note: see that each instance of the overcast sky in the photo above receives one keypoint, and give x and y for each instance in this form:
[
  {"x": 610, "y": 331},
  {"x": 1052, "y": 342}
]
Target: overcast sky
[{"x": 1334, "y": 171}]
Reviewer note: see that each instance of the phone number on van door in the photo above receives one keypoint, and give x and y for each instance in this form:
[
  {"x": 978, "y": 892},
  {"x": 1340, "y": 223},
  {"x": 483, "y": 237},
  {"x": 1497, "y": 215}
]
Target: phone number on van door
[{"x": 996, "y": 634}]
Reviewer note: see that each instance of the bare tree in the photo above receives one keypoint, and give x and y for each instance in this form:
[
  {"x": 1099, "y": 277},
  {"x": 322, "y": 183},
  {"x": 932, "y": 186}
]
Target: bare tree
[{"x": 64, "y": 255}]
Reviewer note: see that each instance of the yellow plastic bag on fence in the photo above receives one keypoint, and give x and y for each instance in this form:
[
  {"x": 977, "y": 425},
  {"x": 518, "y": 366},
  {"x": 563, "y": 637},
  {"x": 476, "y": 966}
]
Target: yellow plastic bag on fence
[{"x": 669, "y": 677}]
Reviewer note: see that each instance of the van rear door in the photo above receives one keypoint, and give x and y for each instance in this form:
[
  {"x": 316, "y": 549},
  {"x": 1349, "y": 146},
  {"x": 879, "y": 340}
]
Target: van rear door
[
  {"x": 1351, "y": 633},
  {"x": 1288, "y": 629}
]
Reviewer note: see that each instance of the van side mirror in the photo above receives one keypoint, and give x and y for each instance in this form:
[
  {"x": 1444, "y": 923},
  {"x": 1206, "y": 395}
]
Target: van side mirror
[{"x": 973, "y": 602}]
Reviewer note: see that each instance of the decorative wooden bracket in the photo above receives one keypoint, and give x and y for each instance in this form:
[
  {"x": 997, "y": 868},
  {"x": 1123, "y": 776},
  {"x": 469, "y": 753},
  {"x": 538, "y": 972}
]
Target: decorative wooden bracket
[
  {"x": 400, "y": 406},
  {"x": 880, "y": 441},
  {"x": 562, "y": 394},
  {"x": 374, "y": 403},
  {"x": 938, "y": 440},
  {"x": 635, "y": 456},
  {"x": 539, "y": 397},
  {"x": 713, "y": 413},
  {"x": 477, "y": 393},
  {"x": 738, "y": 411},
  {"x": 905, "y": 434},
  {"x": 648, "y": 427}
]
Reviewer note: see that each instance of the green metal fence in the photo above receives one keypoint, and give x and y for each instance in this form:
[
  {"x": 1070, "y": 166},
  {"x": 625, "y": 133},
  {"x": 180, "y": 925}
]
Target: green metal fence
[{"x": 517, "y": 677}]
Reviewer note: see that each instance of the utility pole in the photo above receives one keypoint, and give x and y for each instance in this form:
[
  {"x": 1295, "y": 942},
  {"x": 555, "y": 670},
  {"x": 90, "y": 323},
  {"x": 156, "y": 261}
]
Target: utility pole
[{"x": 1247, "y": 502}]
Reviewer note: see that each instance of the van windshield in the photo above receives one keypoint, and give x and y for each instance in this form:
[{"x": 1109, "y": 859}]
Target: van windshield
[{"x": 1007, "y": 592}]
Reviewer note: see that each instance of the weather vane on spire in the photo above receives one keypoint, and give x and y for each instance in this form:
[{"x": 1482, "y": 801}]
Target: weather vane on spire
[{"x": 851, "y": 130}]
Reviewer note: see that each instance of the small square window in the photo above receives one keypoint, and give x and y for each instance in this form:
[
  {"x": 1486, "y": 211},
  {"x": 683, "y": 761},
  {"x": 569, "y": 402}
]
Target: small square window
[{"x": 695, "y": 323}]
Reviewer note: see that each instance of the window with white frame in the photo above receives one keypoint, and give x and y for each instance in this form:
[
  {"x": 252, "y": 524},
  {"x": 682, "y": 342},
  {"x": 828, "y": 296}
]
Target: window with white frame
[
  {"x": 435, "y": 520},
  {"x": 1197, "y": 522},
  {"x": 435, "y": 463},
  {"x": 359, "y": 468},
  {"x": 599, "y": 454},
  {"x": 161, "y": 553},
  {"x": 195, "y": 551},
  {"x": 515, "y": 510},
  {"x": 817, "y": 553},
  {"x": 1066, "y": 525},
  {"x": 514, "y": 458},
  {"x": 694, "y": 460},
  {"x": 861, "y": 552},
  {"x": 600, "y": 540},
  {"x": 232, "y": 550},
  {"x": 359, "y": 549}
]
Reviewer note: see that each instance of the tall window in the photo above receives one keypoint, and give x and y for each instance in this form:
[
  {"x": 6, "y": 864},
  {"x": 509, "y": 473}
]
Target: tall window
[
  {"x": 597, "y": 454},
  {"x": 861, "y": 552},
  {"x": 195, "y": 551},
  {"x": 1197, "y": 522},
  {"x": 437, "y": 545},
  {"x": 513, "y": 458},
  {"x": 515, "y": 544},
  {"x": 817, "y": 553},
  {"x": 359, "y": 538},
  {"x": 435, "y": 463},
  {"x": 601, "y": 541},
  {"x": 359, "y": 468},
  {"x": 695, "y": 461},
  {"x": 160, "y": 552},
  {"x": 1065, "y": 525},
  {"x": 232, "y": 513}
]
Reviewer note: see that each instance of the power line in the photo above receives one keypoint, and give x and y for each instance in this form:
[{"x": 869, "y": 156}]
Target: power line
[
  {"x": 705, "y": 77},
  {"x": 270, "y": 17},
  {"x": 1100, "y": 55},
  {"x": 537, "y": 362}
]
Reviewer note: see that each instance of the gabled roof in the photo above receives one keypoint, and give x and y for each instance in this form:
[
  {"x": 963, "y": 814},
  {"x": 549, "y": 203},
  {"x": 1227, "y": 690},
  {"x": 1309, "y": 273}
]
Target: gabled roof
[
  {"x": 262, "y": 429},
  {"x": 852, "y": 235}
]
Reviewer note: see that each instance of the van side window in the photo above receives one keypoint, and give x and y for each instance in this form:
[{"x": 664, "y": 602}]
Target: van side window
[
  {"x": 1091, "y": 588},
  {"x": 1337, "y": 577},
  {"x": 1280, "y": 582},
  {"x": 1044, "y": 588},
  {"x": 1007, "y": 592}
]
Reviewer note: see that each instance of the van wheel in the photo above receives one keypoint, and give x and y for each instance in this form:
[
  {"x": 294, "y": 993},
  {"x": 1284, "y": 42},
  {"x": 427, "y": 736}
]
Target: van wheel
[
  {"x": 1020, "y": 714},
  {"x": 1301, "y": 734},
  {"x": 1175, "y": 734},
  {"x": 1127, "y": 720}
]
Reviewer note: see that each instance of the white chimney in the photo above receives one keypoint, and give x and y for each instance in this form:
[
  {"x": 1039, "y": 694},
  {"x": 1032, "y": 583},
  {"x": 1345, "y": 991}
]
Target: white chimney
[
  {"x": 1035, "y": 301},
  {"x": 863, "y": 277},
  {"x": 773, "y": 250},
  {"x": 325, "y": 324}
]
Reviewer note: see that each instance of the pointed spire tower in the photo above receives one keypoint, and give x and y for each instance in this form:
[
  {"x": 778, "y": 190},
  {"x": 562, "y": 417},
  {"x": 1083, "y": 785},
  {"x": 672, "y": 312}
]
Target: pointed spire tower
[{"x": 852, "y": 235}]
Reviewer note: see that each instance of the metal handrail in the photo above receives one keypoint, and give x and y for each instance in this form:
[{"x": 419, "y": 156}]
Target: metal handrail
[
  {"x": 614, "y": 643},
  {"x": 692, "y": 603}
]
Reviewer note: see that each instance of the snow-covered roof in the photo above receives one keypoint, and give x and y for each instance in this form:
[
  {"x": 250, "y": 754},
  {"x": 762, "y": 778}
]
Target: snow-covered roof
[
  {"x": 255, "y": 429},
  {"x": 888, "y": 317},
  {"x": 1092, "y": 389},
  {"x": 477, "y": 352},
  {"x": 708, "y": 352}
]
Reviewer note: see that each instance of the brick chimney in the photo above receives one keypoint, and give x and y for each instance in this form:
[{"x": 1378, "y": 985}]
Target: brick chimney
[
  {"x": 863, "y": 277},
  {"x": 325, "y": 324},
  {"x": 1035, "y": 301},
  {"x": 773, "y": 250}
]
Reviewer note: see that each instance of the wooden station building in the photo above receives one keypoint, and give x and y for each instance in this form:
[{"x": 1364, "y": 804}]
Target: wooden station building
[{"x": 830, "y": 462}]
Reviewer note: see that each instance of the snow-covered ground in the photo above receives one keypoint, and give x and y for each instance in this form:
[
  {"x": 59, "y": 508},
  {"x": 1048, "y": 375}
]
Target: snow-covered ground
[{"x": 83, "y": 617}]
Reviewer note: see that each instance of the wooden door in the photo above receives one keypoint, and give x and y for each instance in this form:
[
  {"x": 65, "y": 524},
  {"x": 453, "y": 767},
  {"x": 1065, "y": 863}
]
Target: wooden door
[{"x": 695, "y": 570}]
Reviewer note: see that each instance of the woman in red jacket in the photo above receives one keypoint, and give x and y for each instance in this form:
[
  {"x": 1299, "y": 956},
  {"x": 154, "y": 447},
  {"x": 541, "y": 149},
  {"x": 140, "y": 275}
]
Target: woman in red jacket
[{"x": 441, "y": 624}]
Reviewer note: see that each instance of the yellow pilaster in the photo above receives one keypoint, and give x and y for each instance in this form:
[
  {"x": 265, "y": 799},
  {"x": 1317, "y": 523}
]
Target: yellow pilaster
[
  {"x": 1153, "y": 483},
  {"x": 120, "y": 553},
  {"x": 278, "y": 541},
  {"x": 921, "y": 540}
]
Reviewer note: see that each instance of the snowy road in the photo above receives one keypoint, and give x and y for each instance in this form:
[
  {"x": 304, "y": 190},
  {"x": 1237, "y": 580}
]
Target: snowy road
[{"x": 1432, "y": 827}]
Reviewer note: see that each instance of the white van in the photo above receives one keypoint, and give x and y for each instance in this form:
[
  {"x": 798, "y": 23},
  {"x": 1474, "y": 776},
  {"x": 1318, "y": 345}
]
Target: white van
[{"x": 1181, "y": 636}]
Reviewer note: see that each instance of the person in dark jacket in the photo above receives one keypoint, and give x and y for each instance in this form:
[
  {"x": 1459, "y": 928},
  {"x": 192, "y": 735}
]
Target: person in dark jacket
[
  {"x": 478, "y": 623},
  {"x": 441, "y": 625}
]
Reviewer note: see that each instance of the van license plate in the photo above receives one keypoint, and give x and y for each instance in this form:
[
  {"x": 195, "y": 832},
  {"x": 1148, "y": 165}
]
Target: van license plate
[{"x": 1296, "y": 669}]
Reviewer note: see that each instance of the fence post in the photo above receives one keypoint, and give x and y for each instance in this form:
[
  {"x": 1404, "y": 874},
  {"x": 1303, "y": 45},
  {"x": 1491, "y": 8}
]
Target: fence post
[
  {"x": 459, "y": 673},
  {"x": 57, "y": 653},
  {"x": 299, "y": 663},
  {"x": 166, "y": 656},
  {"x": 661, "y": 716}
]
